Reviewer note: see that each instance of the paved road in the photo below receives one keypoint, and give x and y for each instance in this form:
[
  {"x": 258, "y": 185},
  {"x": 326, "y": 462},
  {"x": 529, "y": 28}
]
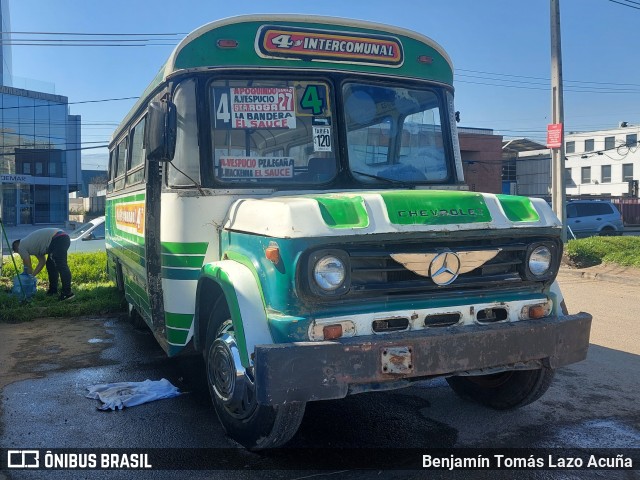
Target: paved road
[{"x": 591, "y": 404}]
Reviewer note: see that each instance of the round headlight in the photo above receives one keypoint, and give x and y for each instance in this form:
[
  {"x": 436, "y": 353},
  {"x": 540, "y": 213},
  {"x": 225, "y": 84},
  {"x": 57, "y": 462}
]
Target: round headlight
[
  {"x": 540, "y": 260},
  {"x": 329, "y": 273}
]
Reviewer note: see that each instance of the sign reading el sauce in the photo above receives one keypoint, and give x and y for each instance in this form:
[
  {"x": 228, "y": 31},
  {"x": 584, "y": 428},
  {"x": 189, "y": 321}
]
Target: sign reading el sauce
[
  {"x": 130, "y": 217},
  {"x": 313, "y": 44},
  {"x": 256, "y": 167}
]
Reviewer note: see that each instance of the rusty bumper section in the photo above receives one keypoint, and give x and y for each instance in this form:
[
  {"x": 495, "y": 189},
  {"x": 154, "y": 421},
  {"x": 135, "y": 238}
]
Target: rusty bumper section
[{"x": 307, "y": 371}]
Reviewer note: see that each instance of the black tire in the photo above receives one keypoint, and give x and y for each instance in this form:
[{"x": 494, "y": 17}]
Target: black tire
[
  {"x": 505, "y": 390},
  {"x": 232, "y": 391},
  {"x": 119, "y": 277},
  {"x": 607, "y": 232}
]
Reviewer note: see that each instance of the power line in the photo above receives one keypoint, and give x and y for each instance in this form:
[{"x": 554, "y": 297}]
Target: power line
[
  {"x": 43, "y": 146},
  {"x": 624, "y": 4},
  {"x": 93, "y": 34},
  {"x": 582, "y": 88},
  {"x": 568, "y": 89},
  {"x": 546, "y": 78},
  {"x": 66, "y": 150},
  {"x": 67, "y": 40},
  {"x": 71, "y": 103},
  {"x": 51, "y": 44}
]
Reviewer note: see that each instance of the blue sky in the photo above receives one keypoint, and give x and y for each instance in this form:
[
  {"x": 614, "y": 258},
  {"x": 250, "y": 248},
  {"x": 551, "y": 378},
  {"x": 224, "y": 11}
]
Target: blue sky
[{"x": 500, "y": 50}]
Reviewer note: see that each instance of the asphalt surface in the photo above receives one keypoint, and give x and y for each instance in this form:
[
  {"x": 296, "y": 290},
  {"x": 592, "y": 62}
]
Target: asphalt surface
[{"x": 591, "y": 404}]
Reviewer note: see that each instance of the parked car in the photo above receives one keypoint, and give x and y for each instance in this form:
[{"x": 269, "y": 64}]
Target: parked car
[
  {"x": 594, "y": 217},
  {"x": 88, "y": 237}
]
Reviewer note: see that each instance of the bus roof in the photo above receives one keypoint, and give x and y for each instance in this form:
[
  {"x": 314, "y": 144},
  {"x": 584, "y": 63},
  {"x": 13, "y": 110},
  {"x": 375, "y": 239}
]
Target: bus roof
[{"x": 305, "y": 42}]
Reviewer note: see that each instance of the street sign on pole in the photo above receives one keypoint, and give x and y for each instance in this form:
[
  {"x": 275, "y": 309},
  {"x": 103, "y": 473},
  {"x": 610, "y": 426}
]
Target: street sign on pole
[{"x": 554, "y": 135}]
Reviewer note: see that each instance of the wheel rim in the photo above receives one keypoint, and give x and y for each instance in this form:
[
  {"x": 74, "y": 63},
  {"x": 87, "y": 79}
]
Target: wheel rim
[{"x": 230, "y": 382}]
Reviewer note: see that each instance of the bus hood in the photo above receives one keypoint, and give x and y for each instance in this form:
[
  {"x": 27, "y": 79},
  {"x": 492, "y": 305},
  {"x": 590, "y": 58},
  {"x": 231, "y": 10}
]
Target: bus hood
[{"x": 359, "y": 213}]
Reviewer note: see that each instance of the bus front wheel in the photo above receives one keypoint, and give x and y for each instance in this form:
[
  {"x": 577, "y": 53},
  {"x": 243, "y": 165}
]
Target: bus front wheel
[{"x": 232, "y": 390}]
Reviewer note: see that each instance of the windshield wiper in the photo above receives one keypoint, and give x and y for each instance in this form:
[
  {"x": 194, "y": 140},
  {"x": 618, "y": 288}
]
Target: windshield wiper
[{"x": 388, "y": 180}]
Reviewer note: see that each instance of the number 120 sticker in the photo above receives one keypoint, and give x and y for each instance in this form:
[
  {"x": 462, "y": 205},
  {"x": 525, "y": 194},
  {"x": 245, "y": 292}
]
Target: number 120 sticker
[{"x": 321, "y": 139}]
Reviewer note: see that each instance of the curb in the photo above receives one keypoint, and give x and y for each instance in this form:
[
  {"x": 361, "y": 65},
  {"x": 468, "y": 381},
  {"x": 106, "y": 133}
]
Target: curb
[{"x": 603, "y": 277}]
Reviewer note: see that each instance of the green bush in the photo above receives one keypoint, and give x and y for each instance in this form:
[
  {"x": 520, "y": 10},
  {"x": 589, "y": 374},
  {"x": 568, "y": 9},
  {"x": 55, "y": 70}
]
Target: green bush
[
  {"x": 591, "y": 251},
  {"x": 95, "y": 294},
  {"x": 85, "y": 267}
]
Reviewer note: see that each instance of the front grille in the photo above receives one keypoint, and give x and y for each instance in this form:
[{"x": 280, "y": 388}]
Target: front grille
[{"x": 375, "y": 273}]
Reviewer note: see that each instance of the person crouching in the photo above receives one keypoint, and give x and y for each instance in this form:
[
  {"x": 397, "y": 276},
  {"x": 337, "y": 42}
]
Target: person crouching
[{"x": 54, "y": 243}]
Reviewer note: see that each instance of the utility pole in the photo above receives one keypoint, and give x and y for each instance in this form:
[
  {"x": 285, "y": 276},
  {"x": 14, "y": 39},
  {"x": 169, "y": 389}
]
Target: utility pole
[{"x": 558, "y": 198}]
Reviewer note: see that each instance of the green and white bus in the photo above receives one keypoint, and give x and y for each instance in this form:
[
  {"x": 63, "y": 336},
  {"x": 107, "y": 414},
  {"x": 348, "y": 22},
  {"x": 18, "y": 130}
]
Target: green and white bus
[{"x": 287, "y": 199}]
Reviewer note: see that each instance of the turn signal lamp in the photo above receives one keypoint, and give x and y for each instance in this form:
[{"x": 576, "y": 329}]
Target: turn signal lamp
[
  {"x": 537, "y": 311},
  {"x": 331, "y": 332},
  {"x": 533, "y": 312},
  {"x": 272, "y": 253}
]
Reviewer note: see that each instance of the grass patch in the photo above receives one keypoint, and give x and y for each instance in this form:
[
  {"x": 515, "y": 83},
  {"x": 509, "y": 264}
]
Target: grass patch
[
  {"x": 94, "y": 293},
  {"x": 587, "y": 252}
]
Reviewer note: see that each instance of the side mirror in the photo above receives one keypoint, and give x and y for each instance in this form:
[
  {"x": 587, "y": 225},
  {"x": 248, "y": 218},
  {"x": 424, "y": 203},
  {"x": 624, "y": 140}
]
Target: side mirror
[{"x": 160, "y": 132}]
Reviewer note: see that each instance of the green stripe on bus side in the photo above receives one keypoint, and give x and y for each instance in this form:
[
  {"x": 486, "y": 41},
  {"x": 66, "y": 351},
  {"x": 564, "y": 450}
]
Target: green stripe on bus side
[
  {"x": 193, "y": 248},
  {"x": 184, "y": 261},
  {"x": 132, "y": 247},
  {"x": 123, "y": 250},
  {"x": 178, "y": 320},
  {"x": 135, "y": 239},
  {"x": 177, "y": 337},
  {"x": 139, "y": 291},
  {"x": 138, "y": 295},
  {"x": 180, "y": 273}
]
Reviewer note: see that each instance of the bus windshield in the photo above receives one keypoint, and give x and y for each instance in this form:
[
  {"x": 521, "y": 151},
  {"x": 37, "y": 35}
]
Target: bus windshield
[
  {"x": 284, "y": 132},
  {"x": 394, "y": 133}
]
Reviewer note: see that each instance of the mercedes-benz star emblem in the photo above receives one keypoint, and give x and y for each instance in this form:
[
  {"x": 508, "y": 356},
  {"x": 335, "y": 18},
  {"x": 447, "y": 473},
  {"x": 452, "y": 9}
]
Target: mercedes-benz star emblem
[{"x": 445, "y": 268}]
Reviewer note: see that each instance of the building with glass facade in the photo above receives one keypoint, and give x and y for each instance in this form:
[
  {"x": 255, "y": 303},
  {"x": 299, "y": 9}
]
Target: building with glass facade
[
  {"x": 5, "y": 48},
  {"x": 39, "y": 157},
  {"x": 39, "y": 149}
]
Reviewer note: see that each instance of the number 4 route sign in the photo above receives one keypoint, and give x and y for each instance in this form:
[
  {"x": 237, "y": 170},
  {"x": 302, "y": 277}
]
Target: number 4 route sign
[{"x": 554, "y": 135}]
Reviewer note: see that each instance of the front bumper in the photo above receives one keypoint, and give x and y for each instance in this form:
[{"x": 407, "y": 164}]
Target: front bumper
[{"x": 308, "y": 371}]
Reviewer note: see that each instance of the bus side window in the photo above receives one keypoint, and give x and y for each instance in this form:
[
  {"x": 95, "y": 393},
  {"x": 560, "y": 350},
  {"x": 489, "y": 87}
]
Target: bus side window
[
  {"x": 135, "y": 173},
  {"x": 121, "y": 164},
  {"x": 187, "y": 156}
]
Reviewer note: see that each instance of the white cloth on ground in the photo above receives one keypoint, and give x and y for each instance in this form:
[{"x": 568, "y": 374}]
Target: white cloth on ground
[{"x": 116, "y": 396}]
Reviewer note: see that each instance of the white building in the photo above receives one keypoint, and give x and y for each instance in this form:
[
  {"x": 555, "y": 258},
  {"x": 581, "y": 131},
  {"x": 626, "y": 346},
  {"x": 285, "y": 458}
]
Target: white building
[{"x": 603, "y": 162}]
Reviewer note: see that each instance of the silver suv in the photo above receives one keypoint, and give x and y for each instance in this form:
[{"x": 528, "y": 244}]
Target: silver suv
[{"x": 593, "y": 217}]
